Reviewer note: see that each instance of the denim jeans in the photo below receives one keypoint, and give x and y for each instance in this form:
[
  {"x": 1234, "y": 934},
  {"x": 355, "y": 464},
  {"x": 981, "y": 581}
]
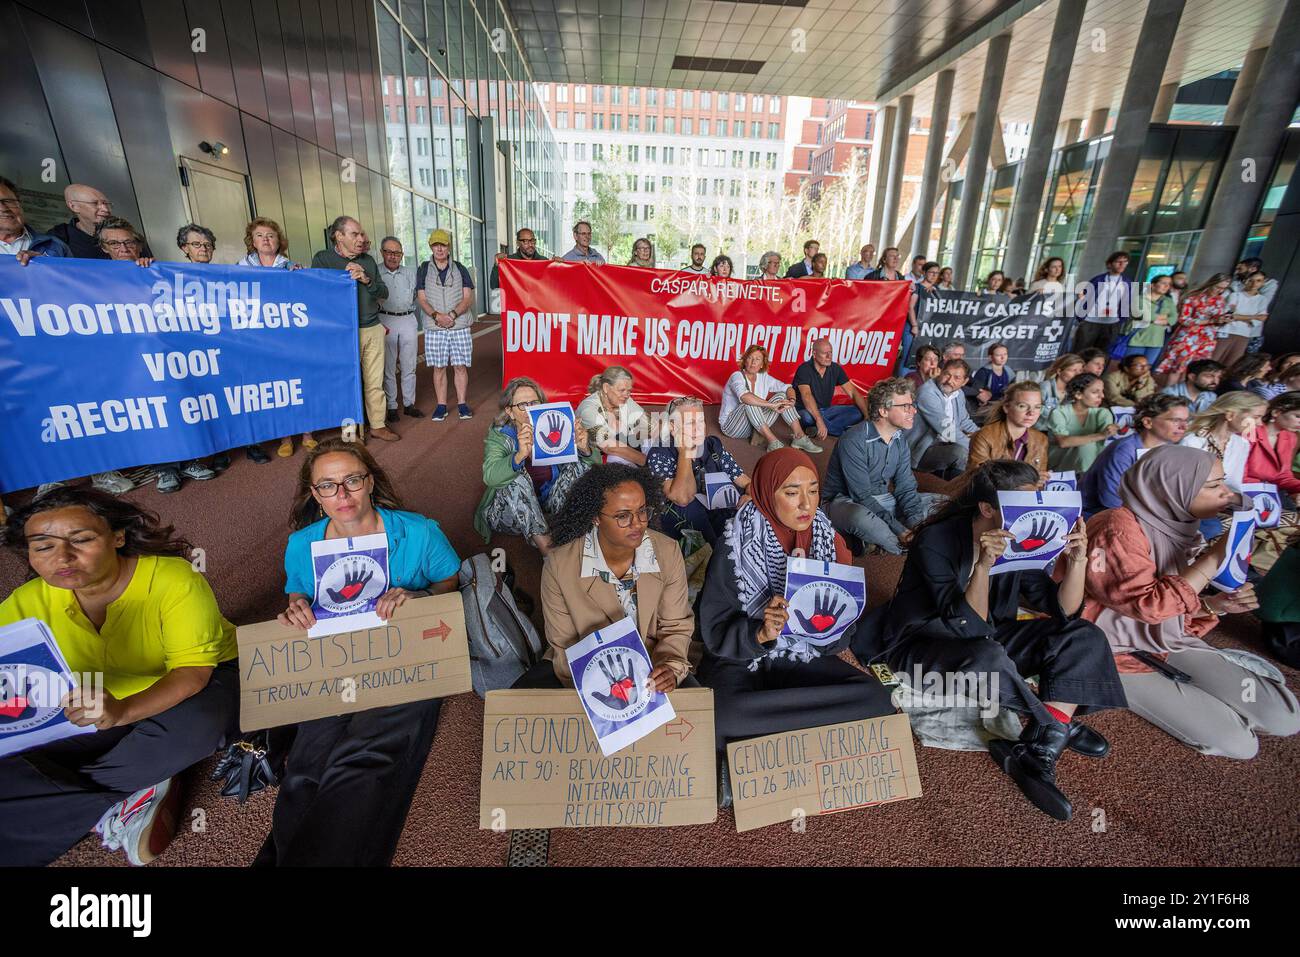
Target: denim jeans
[{"x": 837, "y": 418}]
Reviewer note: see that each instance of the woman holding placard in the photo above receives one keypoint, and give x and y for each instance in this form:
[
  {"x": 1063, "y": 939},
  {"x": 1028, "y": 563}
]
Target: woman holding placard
[
  {"x": 348, "y": 779},
  {"x": 607, "y": 565},
  {"x": 950, "y": 616},
  {"x": 695, "y": 464},
  {"x": 117, "y": 591},
  {"x": 1273, "y": 446},
  {"x": 1080, "y": 427},
  {"x": 519, "y": 496},
  {"x": 763, "y": 679},
  {"x": 1146, "y": 597}
]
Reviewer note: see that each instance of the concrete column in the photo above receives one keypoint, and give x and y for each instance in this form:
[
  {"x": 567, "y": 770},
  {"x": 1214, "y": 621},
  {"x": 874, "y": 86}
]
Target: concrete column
[
  {"x": 1244, "y": 88},
  {"x": 977, "y": 161},
  {"x": 1145, "y": 73},
  {"x": 929, "y": 190},
  {"x": 1033, "y": 168},
  {"x": 1263, "y": 124},
  {"x": 1097, "y": 121},
  {"x": 1070, "y": 133},
  {"x": 897, "y": 161},
  {"x": 883, "y": 138},
  {"x": 1164, "y": 103}
]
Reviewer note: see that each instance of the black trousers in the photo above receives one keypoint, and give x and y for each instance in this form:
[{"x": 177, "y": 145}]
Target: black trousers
[
  {"x": 347, "y": 786},
  {"x": 51, "y": 796},
  {"x": 785, "y": 695},
  {"x": 1101, "y": 335},
  {"x": 1073, "y": 662}
]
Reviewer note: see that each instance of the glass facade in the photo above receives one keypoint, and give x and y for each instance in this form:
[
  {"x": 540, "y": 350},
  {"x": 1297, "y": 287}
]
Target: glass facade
[
  {"x": 990, "y": 242},
  {"x": 461, "y": 121}
]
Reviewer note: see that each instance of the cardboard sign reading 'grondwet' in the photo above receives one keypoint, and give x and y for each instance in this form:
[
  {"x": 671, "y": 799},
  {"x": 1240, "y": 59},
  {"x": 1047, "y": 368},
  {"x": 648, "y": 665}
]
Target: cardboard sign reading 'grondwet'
[
  {"x": 542, "y": 765},
  {"x": 286, "y": 676},
  {"x": 838, "y": 767}
]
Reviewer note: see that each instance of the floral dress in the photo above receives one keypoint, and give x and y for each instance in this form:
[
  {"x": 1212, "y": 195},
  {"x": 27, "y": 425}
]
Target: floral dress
[{"x": 1196, "y": 335}]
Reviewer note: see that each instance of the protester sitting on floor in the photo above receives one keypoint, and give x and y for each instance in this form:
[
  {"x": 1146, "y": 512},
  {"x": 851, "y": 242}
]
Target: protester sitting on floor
[
  {"x": 927, "y": 367},
  {"x": 1221, "y": 430},
  {"x": 1200, "y": 385},
  {"x": 1131, "y": 382},
  {"x": 1246, "y": 372},
  {"x": 949, "y": 615},
  {"x": 1055, "y": 378},
  {"x": 1157, "y": 420},
  {"x": 1094, "y": 361},
  {"x": 940, "y": 437},
  {"x": 753, "y": 399},
  {"x": 1279, "y": 605},
  {"x": 607, "y": 565},
  {"x": 1009, "y": 431},
  {"x": 1146, "y": 597},
  {"x": 519, "y": 496},
  {"x": 1285, "y": 377},
  {"x": 763, "y": 682},
  {"x": 870, "y": 491},
  {"x": 349, "y": 779},
  {"x": 122, "y": 600},
  {"x": 618, "y": 426},
  {"x": 683, "y": 464},
  {"x": 992, "y": 378},
  {"x": 816, "y": 380},
  {"x": 1273, "y": 447},
  {"x": 1080, "y": 427}
]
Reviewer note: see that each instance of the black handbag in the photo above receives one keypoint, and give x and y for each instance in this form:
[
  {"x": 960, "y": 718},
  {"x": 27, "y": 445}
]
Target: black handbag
[{"x": 244, "y": 768}]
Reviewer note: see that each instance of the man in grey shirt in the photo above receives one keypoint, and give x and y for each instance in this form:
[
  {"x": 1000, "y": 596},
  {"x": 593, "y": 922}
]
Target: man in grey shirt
[
  {"x": 397, "y": 313},
  {"x": 940, "y": 439},
  {"x": 582, "y": 251}
]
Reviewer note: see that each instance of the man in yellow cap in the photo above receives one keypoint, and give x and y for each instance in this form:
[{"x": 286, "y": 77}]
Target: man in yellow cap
[{"x": 444, "y": 291}]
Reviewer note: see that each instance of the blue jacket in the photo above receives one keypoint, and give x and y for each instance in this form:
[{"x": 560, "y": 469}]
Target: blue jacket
[
  {"x": 1100, "y": 484},
  {"x": 46, "y": 245},
  {"x": 862, "y": 467},
  {"x": 1122, "y": 313}
]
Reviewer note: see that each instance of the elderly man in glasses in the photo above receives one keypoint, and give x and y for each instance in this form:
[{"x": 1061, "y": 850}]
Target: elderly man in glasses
[
  {"x": 90, "y": 208},
  {"x": 867, "y": 459}
]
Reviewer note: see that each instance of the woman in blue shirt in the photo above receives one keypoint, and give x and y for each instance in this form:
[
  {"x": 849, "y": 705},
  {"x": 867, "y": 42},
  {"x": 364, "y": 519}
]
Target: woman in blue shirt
[{"x": 349, "y": 779}]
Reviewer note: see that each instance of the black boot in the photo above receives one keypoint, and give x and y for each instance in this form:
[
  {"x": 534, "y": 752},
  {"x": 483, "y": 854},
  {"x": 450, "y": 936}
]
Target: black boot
[
  {"x": 724, "y": 783},
  {"x": 1084, "y": 740},
  {"x": 1031, "y": 762}
]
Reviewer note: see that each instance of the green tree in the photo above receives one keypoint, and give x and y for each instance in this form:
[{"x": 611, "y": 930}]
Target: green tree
[{"x": 606, "y": 214}]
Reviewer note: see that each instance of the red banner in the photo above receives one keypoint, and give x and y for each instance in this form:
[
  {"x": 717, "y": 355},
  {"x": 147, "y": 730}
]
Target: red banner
[{"x": 679, "y": 333}]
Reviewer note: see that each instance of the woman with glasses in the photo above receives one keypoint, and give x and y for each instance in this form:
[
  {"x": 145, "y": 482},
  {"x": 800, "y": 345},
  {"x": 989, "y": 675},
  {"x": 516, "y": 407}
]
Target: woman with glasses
[
  {"x": 348, "y": 779},
  {"x": 764, "y": 681},
  {"x": 268, "y": 247},
  {"x": 519, "y": 496},
  {"x": 685, "y": 465},
  {"x": 1009, "y": 431},
  {"x": 607, "y": 565},
  {"x": 643, "y": 254}
]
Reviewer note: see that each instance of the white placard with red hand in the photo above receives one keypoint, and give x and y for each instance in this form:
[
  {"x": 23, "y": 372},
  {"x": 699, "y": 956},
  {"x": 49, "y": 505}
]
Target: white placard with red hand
[{"x": 554, "y": 433}]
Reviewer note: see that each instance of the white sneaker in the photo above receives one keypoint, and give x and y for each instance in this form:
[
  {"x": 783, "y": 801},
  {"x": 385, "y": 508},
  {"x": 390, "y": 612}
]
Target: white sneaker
[
  {"x": 775, "y": 444},
  {"x": 144, "y": 824},
  {"x": 807, "y": 444},
  {"x": 48, "y": 487},
  {"x": 112, "y": 482}
]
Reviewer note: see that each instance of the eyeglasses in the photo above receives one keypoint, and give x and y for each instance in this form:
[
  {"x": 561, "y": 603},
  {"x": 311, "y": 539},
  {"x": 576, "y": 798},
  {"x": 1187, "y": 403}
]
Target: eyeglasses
[
  {"x": 624, "y": 519},
  {"x": 525, "y": 405},
  {"x": 353, "y": 483},
  {"x": 906, "y": 406},
  {"x": 201, "y": 246},
  {"x": 119, "y": 243},
  {"x": 91, "y": 202}
]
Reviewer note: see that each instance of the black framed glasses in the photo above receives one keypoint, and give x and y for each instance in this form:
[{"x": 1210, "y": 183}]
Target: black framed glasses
[
  {"x": 624, "y": 519},
  {"x": 905, "y": 406},
  {"x": 353, "y": 483},
  {"x": 525, "y": 405}
]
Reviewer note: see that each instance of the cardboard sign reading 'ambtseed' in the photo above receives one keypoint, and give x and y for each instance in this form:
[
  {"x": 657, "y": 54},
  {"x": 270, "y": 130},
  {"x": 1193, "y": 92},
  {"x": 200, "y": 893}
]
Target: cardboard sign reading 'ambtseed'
[
  {"x": 542, "y": 766},
  {"x": 838, "y": 767},
  {"x": 285, "y": 676}
]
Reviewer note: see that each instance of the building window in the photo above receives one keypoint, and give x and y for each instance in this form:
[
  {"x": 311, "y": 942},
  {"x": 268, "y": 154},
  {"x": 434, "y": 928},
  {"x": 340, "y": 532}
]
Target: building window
[
  {"x": 740, "y": 102},
  {"x": 652, "y": 124},
  {"x": 616, "y": 121},
  {"x": 634, "y": 97},
  {"x": 580, "y": 180},
  {"x": 668, "y": 154},
  {"x": 648, "y": 184},
  {"x": 755, "y": 130},
  {"x": 719, "y": 157},
  {"x": 717, "y": 186},
  {"x": 670, "y": 98},
  {"x": 669, "y": 123},
  {"x": 616, "y": 95},
  {"x": 634, "y": 123},
  {"x": 598, "y": 95},
  {"x": 688, "y": 100},
  {"x": 702, "y": 157},
  {"x": 634, "y": 153},
  {"x": 597, "y": 121},
  {"x": 562, "y": 93},
  {"x": 704, "y": 126},
  {"x": 564, "y": 150},
  {"x": 652, "y": 154},
  {"x": 737, "y": 158},
  {"x": 706, "y": 100},
  {"x": 652, "y": 97},
  {"x": 738, "y": 128},
  {"x": 629, "y": 181},
  {"x": 630, "y": 209},
  {"x": 598, "y": 152},
  {"x": 701, "y": 187},
  {"x": 733, "y": 216},
  {"x": 666, "y": 182},
  {"x": 579, "y": 121},
  {"x": 580, "y": 152},
  {"x": 733, "y": 188},
  {"x": 579, "y": 93},
  {"x": 773, "y": 131},
  {"x": 774, "y": 104},
  {"x": 686, "y": 126},
  {"x": 753, "y": 160},
  {"x": 562, "y": 121},
  {"x": 771, "y": 161}
]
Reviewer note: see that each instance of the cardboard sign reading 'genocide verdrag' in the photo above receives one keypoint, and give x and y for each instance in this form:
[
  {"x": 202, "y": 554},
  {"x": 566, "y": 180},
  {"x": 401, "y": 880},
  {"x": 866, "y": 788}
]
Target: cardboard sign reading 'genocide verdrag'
[
  {"x": 838, "y": 767},
  {"x": 542, "y": 766},
  {"x": 286, "y": 676}
]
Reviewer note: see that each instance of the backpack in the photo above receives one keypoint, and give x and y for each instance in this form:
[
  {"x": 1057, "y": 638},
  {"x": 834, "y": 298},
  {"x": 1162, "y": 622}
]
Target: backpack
[{"x": 503, "y": 644}]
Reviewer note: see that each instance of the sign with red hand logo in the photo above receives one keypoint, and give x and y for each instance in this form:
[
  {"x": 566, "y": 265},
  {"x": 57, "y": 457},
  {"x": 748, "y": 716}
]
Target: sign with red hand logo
[
  {"x": 611, "y": 670},
  {"x": 824, "y": 599},
  {"x": 1267, "y": 504},
  {"x": 34, "y": 677},
  {"x": 554, "y": 436},
  {"x": 1039, "y": 523},
  {"x": 351, "y": 575}
]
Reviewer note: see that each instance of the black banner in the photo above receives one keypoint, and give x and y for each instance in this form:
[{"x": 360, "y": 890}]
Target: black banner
[{"x": 1033, "y": 328}]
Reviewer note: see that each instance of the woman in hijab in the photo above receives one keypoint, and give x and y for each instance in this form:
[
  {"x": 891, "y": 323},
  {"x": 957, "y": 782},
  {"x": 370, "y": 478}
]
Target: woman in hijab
[
  {"x": 950, "y": 616},
  {"x": 1146, "y": 597},
  {"x": 764, "y": 682}
]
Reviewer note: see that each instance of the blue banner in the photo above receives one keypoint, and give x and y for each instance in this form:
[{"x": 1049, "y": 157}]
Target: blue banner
[{"x": 108, "y": 365}]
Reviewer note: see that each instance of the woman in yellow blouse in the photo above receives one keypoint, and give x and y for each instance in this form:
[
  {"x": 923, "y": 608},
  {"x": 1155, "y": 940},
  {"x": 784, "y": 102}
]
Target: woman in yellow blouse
[{"x": 123, "y": 602}]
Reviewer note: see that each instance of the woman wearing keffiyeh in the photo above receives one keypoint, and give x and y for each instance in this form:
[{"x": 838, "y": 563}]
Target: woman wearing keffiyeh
[{"x": 764, "y": 682}]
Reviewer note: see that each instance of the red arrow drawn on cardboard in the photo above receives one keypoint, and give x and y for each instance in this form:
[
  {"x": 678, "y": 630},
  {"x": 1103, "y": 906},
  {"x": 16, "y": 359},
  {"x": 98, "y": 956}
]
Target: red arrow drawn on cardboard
[
  {"x": 681, "y": 727},
  {"x": 442, "y": 631}
]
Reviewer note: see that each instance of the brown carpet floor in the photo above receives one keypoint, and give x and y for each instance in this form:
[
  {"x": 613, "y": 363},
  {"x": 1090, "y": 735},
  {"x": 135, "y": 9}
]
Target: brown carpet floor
[{"x": 1162, "y": 803}]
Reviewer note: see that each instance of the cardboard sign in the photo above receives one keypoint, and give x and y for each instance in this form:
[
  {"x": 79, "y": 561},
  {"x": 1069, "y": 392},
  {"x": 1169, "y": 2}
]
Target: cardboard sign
[
  {"x": 611, "y": 671},
  {"x": 719, "y": 491},
  {"x": 554, "y": 441},
  {"x": 1231, "y": 575},
  {"x": 823, "y": 598},
  {"x": 286, "y": 675},
  {"x": 542, "y": 766},
  {"x": 1267, "y": 504},
  {"x": 34, "y": 677},
  {"x": 351, "y": 574},
  {"x": 1039, "y": 523},
  {"x": 838, "y": 767},
  {"x": 1061, "y": 482}
]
